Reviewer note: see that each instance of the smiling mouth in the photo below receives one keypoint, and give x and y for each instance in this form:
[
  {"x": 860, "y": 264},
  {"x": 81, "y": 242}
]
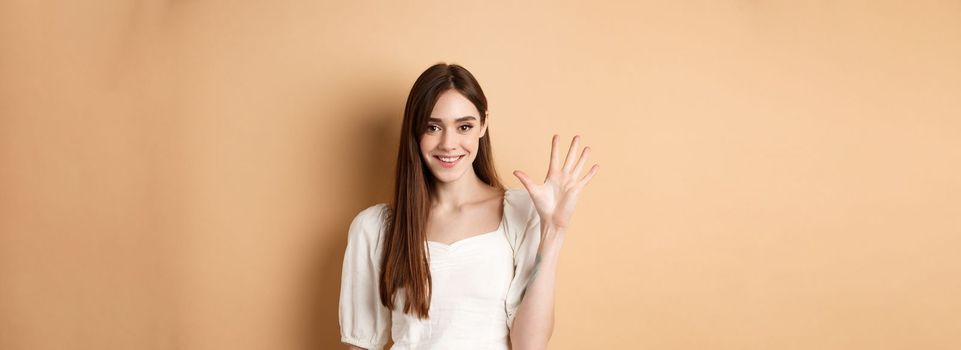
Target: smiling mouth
[{"x": 449, "y": 160}]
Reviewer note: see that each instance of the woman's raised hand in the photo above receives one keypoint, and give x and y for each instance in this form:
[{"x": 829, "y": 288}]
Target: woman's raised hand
[{"x": 556, "y": 198}]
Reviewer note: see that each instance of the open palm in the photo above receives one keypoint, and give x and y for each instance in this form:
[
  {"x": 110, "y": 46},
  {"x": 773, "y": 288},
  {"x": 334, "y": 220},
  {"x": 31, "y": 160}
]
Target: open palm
[{"x": 556, "y": 198}]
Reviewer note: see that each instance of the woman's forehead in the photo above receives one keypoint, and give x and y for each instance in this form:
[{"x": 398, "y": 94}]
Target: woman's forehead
[{"x": 451, "y": 106}]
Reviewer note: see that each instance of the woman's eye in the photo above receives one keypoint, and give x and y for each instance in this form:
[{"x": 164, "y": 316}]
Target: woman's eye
[{"x": 465, "y": 127}]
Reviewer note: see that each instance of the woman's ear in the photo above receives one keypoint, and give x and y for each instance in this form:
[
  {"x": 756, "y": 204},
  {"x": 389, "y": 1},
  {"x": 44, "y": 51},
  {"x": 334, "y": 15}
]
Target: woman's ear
[{"x": 487, "y": 121}]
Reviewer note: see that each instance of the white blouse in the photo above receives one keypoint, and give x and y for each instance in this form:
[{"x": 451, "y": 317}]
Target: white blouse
[{"x": 478, "y": 283}]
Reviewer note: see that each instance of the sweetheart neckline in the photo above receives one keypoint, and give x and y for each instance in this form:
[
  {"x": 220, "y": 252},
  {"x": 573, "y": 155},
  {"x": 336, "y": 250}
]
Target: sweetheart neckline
[
  {"x": 457, "y": 242},
  {"x": 500, "y": 226}
]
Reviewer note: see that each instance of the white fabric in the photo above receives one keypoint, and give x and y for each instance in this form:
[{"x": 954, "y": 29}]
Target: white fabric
[{"x": 478, "y": 284}]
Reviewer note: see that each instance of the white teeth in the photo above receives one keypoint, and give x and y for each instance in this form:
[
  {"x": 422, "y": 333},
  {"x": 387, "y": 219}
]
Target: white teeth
[{"x": 449, "y": 160}]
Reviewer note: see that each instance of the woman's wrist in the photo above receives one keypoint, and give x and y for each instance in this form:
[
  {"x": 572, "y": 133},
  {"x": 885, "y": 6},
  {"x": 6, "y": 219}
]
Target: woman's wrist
[{"x": 552, "y": 239}]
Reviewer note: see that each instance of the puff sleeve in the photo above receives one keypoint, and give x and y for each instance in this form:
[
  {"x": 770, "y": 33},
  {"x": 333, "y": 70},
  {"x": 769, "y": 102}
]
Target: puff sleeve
[
  {"x": 364, "y": 321},
  {"x": 525, "y": 238}
]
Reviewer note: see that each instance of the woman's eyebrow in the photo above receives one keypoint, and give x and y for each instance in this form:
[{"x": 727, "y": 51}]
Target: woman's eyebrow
[{"x": 458, "y": 119}]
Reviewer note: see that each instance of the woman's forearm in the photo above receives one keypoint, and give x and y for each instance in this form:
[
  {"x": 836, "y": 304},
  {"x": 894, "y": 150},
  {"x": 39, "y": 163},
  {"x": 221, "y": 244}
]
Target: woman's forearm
[{"x": 534, "y": 322}]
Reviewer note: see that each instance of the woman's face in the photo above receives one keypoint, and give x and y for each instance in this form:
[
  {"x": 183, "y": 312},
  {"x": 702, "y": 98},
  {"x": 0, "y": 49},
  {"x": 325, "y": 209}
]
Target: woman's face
[{"x": 454, "y": 130}]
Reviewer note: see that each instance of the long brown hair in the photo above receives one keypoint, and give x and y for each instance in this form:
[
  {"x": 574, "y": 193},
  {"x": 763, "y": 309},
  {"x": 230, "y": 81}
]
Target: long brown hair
[{"x": 404, "y": 263}]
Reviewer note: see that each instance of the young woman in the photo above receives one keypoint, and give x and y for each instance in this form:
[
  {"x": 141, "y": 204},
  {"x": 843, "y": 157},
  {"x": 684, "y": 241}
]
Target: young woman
[{"x": 456, "y": 260}]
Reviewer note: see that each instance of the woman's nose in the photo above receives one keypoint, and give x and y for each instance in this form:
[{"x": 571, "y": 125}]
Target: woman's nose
[{"x": 449, "y": 140}]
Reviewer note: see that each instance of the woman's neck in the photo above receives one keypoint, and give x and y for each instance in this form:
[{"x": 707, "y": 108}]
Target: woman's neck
[{"x": 457, "y": 194}]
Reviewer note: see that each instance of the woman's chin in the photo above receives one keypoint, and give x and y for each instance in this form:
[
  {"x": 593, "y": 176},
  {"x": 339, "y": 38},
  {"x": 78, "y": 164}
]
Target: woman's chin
[{"x": 447, "y": 176}]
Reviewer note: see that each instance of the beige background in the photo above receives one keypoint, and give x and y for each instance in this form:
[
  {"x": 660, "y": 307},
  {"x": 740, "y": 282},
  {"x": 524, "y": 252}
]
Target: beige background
[{"x": 181, "y": 174}]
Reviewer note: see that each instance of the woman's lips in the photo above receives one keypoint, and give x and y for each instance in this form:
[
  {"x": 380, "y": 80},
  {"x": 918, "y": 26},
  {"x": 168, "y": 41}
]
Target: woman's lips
[{"x": 450, "y": 164}]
